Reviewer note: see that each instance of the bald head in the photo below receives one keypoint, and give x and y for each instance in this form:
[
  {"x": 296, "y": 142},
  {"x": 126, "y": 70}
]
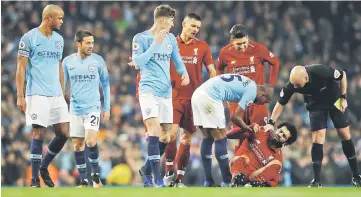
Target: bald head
[
  {"x": 298, "y": 76},
  {"x": 52, "y": 9},
  {"x": 53, "y": 16}
]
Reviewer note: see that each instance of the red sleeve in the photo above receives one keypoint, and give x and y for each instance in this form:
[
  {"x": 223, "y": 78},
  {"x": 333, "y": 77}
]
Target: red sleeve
[
  {"x": 273, "y": 61},
  {"x": 220, "y": 65},
  {"x": 207, "y": 58},
  {"x": 237, "y": 133}
]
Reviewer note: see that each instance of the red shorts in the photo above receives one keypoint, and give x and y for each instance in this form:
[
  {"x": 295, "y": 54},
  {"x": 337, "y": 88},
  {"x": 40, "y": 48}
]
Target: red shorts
[
  {"x": 183, "y": 115},
  {"x": 253, "y": 114}
]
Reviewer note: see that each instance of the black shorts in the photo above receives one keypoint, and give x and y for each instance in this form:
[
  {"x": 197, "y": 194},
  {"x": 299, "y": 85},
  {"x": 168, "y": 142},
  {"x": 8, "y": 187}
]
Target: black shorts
[{"x": 318, "y": 119}]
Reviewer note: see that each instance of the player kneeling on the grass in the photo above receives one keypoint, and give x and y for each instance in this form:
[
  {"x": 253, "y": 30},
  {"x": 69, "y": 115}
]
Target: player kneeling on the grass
[
  {"x": 208, "y": 114},
  {"x": 85, "y": 70},
  {"x": 258, "y": 162}
]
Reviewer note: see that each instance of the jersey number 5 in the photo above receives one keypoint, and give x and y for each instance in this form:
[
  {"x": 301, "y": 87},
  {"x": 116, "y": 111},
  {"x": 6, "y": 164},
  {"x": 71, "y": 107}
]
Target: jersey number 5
[{"x": 231, "y": 78}]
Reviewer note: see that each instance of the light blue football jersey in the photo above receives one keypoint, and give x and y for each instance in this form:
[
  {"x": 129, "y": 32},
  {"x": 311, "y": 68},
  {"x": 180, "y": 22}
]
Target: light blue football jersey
[
  {"x": 232, "y": 88},
  {"x": 85, "y": 76},
  {"x": 153, "y": 60},
  {"x": 45, "y": 54}
]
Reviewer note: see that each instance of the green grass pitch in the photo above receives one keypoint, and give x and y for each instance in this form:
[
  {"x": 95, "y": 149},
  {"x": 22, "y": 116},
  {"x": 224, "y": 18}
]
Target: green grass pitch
[{"x": 181, "y": 192}]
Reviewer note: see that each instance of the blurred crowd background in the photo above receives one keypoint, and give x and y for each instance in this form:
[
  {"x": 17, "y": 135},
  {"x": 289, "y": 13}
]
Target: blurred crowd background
[{"x": 296, "y": 32}]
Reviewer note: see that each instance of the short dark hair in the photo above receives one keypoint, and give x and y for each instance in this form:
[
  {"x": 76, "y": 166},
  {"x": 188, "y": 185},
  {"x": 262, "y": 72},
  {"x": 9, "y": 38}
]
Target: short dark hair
[
  {"x": 293, "y": 132},
  {"x": 194, "y": 16},
  {"x": 164, "y": 11},
  {"x": 81, "y": 34},
  {"x": 238, "y": 31}
]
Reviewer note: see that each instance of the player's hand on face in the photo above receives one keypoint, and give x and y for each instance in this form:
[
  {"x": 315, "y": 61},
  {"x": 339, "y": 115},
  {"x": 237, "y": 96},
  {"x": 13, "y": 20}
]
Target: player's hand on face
[
  {"x": 105, "y": 116},
  {"x": 343, "y": 105},
  {"x": 21, "y": 103},
  {"x": 268, "y": 128},
  {"x": 131, "y": 63},
  {"x": 160, "y": 36},
  {"x": 185, "y": 80}
]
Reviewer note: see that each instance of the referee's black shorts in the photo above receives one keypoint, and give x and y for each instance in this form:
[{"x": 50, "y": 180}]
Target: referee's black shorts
[{"x": 318, "y": 119}]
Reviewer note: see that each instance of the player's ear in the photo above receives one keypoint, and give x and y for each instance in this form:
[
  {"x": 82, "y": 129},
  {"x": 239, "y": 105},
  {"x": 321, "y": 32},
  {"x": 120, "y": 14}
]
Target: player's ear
[{"x": 50, "y": 17}]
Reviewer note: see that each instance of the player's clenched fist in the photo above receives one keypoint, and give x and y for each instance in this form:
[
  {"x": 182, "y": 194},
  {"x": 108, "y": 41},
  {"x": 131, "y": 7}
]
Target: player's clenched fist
[
  {"x": 160, "y": 36},
  {"x": 185, "y": 80},
  {"x": 21, "y": 103}
]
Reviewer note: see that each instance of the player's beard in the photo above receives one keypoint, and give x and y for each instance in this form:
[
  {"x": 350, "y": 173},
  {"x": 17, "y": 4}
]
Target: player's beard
[
  {"x": 55, "y": 29},
  {"x": 274, "y": 142}
]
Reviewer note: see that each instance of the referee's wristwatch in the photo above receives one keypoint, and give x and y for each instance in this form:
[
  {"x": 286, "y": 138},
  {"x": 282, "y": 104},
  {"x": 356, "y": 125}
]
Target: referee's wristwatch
[
  {"x": 344, "y": 96},
  {"x": 271, "y": 122}
]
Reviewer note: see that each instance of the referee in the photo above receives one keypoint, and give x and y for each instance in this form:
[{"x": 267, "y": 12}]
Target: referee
[{"x": 321, "y": 86}]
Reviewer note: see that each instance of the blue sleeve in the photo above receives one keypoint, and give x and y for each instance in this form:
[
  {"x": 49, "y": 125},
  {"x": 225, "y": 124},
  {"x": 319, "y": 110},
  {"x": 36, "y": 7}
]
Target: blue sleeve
[
  {"x": 24, "y": 46},
  {"x": 104, "y": 80},
  {"x": 140, "y": 54},
  {"x": 177, "y": 58},
  {"x": 248, "y": 97},
  {"x": 65, "y": 70}
]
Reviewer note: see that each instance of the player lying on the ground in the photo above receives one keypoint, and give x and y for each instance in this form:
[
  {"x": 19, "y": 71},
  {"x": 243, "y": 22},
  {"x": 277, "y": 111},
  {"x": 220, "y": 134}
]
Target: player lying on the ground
[
  {"x": 208, "y": 115},
  {"x": 258, "y": 162}
]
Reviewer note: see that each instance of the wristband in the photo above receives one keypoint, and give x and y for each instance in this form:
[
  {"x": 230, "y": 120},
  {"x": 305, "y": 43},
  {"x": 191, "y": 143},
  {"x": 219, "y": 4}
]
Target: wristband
[{"x": 271, "y": 122}]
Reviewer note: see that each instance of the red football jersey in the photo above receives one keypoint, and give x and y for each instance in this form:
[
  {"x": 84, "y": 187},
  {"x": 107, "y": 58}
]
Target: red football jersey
[
  {"x": 249, "y": 63},
  {"x": 194, "y": 55},
  {"x": 258, "y": 151}
]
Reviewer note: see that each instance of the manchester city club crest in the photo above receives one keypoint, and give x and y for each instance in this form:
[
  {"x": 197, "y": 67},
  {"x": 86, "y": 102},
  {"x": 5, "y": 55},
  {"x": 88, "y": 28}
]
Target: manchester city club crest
[
  {"x": 91, "y": 68},
  {"x": 169, "y": 47},
  {"x": 58, "y": 45}
]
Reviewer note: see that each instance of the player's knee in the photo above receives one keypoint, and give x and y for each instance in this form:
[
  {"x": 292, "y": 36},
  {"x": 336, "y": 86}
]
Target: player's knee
[
  {"x": 38, "y": 131},
  {"x": 164, "y": 137},
  {"x": 78, "y": 145},
  {"x": 153, "y": 127},
  {"x": 174, "y": 134},
  {"x": 186, "y": 137},
  {"x": 91, "y": 142},
  {"x": 344, "y": 133},
  {"x": 219, "y": 134},
  {"x": 319, "y": 136}
]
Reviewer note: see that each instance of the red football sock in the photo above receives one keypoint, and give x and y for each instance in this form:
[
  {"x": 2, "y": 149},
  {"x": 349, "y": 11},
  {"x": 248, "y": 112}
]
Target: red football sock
[
  {"x": 182, "y": 160},
  {"x": 170, "y": 153}
]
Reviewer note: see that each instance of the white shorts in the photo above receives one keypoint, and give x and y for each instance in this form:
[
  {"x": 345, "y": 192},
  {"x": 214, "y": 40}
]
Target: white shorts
[
  {"x": 46, "y": 111},
  {"x": 207, "y": 112},
  {"x": 156, "y": 107},
  {"x": 80, "y": 123}
]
